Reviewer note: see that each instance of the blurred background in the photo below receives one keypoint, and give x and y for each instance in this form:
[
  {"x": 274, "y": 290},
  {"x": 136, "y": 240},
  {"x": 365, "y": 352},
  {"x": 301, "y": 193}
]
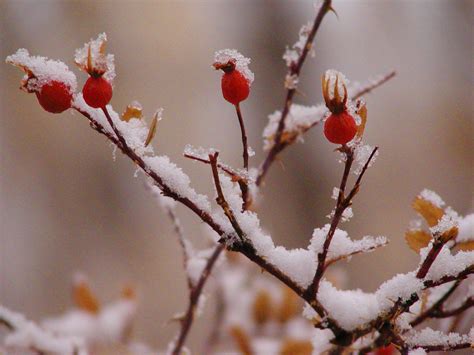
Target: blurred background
[{"x": 67, "y": 206}]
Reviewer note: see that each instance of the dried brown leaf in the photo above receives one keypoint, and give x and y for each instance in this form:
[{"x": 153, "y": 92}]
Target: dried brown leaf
[
  {"x": 289, "y": 307},
  {"x": 152, "y": 131},
  {"x": 431, "y": 213},
  {"x": 296, "y": 347},
  {"x": 133, "y": 110},
  {"x": 417, "y": 239},
  {"x": 362, "y": 112},
  {"x": 262, "y": 307},
  {"x": 466, "y": 246},
  {"x": 242, "y": 339},
  {"x": 84, "y": 298}
]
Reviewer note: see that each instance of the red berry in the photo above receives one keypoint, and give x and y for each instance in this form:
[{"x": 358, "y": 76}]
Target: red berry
[
  {"x": 54, "y": 97},
  {"x": 235, "y": 87},
  {"x": 97, "y": 92},
  {"x": 340, "y": 128},
  {"x": 388, "y": 350}
]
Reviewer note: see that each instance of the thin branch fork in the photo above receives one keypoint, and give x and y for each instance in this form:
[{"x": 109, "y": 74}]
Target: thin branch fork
[
  {"x": 438, "y": 305},
  {"x": 241, "y": 180},
  {"x": 341, "y": 205}
]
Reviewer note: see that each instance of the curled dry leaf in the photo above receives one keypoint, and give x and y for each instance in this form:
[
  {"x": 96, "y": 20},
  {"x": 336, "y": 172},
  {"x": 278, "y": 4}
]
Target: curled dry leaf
[
  {"x": 417, "y": 239},
  {"x": 262, "y": 307},
  {"x": 152, "y": 130},
  {"x": 362, "y": 112},
  {"x": 84, "y": 298},
  {"x": 431, "y": 213},
  {"x": 134, "y": 110}
]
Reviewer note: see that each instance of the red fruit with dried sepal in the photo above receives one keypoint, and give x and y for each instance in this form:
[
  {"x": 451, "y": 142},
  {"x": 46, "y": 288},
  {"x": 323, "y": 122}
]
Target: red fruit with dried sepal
[
  {"x": 235, "y": 86},
  {"x": 340, "y": 127}
]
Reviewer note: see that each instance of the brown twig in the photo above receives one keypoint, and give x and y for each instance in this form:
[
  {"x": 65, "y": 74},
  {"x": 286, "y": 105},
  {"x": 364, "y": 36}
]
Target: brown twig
[
  {"x": 241, "y": 180},
  {"x": 178, "y": 229},
  {"x": 245, "y": 153},
  {"x": 437, "y": 306},
  {"x": 341, "y": 205},
  {"x": 194, "y": 296},
  {"x": 295, "y": 70},
  {"x": 367, "y": 89}
]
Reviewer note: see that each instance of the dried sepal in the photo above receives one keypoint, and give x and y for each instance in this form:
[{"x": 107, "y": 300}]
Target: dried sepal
[
  {"x": 417, "y": 239},
  {"x": 133, "y": 110},
  {"x": 83, "y": 296},
  {"x": 262, "y": 307},
  {"x": 296, "y": 347},
  {"x": 289, "y": 306},
  {"x": 242, "y": 340},
  {"x": 93, "y": 59},
  {"x": 362, "y": 112},
  {"x": 334, "y": 103},
  {"x": 428, "y": 210}
]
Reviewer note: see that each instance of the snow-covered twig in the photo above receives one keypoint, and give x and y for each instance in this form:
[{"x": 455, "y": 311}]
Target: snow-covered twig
[
  {"x": 293, "y": 72},
  {"x": 341, "y": 205},
  {"x": 194, "y": 296}
]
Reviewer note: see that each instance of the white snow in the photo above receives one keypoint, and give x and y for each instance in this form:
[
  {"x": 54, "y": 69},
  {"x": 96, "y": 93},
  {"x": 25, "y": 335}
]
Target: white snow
[
  {"x": 341, "y": 244},
  {"x": 44, "y": 70},
  {"x": 361, "y": 155},
  {"x": 350, "y": 308},
  {"x": 432, "y": 197},
  {"x": 321, "y": 341},
  {"x": 466, "y": 229},
  {"x": 428, "y": 336},
  {"x": 101, "y": 61},
  {"x": 299, "y": 120},
  {"x": 447, "y": 264},
  {"x": 27, "y": 334},
  {"x": 225, "y": 56}
]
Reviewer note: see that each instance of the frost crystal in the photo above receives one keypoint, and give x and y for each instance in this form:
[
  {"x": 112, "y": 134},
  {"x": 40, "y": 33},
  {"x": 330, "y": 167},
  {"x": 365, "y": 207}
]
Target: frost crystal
[
  {"x": 44, "y": 70},
  {"x": 361, "y": 155},
  {"x": 299, "y": 120},
  {"x": 225, "y": 56},
  {"x": 432, "y": 197},
  {"x": 292, "y": 55}
]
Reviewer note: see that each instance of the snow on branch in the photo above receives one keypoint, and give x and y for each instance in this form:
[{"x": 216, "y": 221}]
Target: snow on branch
[{"x": 27, "y": 335}]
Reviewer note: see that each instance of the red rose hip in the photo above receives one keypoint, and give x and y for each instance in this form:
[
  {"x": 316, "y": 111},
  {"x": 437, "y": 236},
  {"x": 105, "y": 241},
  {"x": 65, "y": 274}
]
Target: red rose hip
[
  {"x": 235, "y": 87},
  {"x": 97, "y": 92},
  {"x": 340, "y": 128},
  {"x": 54, "y": 97}
]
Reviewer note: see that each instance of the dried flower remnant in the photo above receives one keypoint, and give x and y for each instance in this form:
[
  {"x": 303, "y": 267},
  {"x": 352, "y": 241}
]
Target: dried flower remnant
[
  {"x": 340, "y": 127},
  {"x": 93, "y": 59}
]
